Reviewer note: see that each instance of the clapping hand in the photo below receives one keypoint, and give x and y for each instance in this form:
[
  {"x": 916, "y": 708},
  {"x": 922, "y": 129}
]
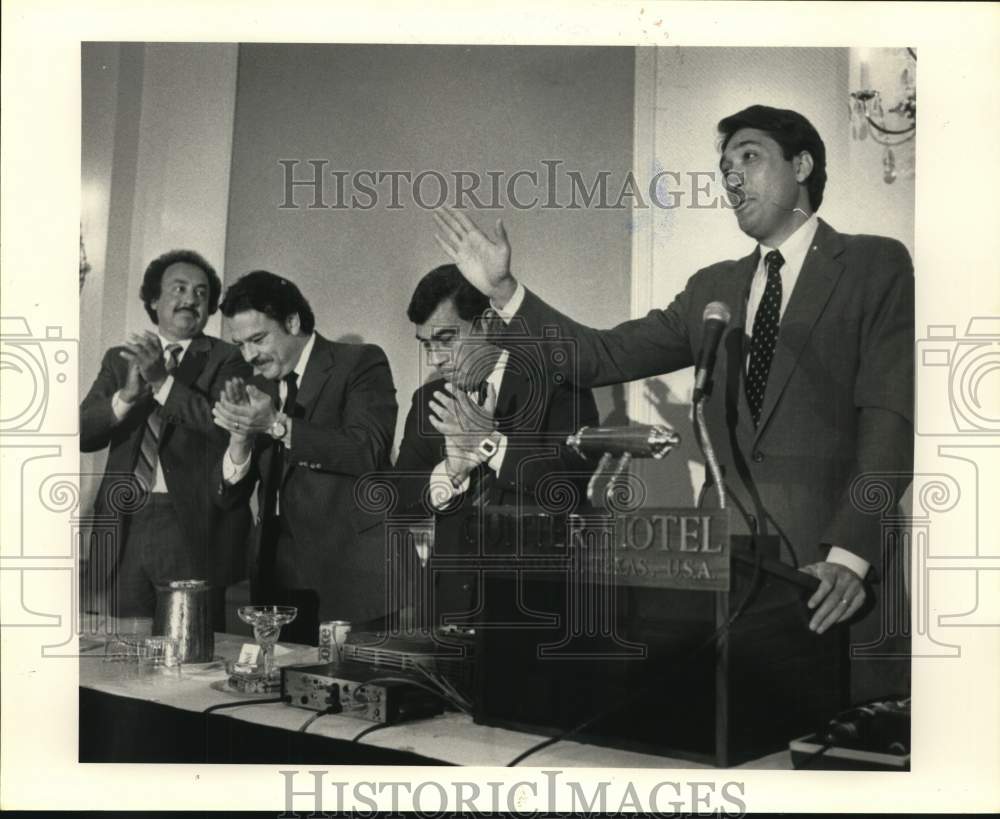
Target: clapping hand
[
  {"x": 146, "y": 351},
  {"x": 463, "y": 424},
  {"x": 484, "y": 262},
  {"x": 244, "y": 410},
  {"x": 135, "y": 386}
]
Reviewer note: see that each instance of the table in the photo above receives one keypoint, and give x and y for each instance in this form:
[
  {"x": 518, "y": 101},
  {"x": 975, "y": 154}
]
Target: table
[{"x": 130, "y": 718}]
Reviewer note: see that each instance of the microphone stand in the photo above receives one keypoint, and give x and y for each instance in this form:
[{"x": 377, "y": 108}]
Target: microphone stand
[
  {"x": 627, "y": 443},
  {"x": 705, "y": 444}
]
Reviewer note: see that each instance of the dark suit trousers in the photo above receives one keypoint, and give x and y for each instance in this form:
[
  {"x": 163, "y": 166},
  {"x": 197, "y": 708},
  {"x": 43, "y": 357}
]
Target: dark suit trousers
[{"x": 157, "y": 551}]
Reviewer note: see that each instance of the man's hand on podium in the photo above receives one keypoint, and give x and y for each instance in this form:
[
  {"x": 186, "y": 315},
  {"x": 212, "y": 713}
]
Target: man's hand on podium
[{"x": 840, "y": 594}]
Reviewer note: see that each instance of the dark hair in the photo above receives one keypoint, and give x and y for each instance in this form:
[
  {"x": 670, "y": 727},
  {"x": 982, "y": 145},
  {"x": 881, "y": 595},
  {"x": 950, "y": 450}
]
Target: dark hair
[
  {"x": 151, "y": 279},
  {"x": 792, "y": 131},
  {"x": 272, "y": 295},
  {"x": 446, "y": 282}
]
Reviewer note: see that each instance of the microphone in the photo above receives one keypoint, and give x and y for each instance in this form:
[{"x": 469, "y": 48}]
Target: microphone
[
  {"x": 639, "y": 441},
  {"x": 715, "y": 319}
]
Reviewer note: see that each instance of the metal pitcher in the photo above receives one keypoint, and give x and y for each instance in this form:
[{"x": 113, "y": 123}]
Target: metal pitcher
[{"x": 183, "y": 614}]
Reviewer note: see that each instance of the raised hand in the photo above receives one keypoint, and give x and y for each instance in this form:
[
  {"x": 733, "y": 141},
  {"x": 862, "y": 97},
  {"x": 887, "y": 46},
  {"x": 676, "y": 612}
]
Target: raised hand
[
  {"x": 244, "y": 410},
  {"x": 135, "y": 386},
  {"x": 148, "y": 354},
  {"x": 235, "y": 391},
  {"x": 484, "y": 262}
]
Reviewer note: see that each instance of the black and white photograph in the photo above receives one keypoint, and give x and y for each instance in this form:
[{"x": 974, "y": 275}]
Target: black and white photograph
[{"x": 455, "y": 392}]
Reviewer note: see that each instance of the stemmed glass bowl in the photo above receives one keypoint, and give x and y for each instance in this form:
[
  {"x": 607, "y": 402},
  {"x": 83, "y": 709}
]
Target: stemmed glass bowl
[{"x": 267, "y": 622}]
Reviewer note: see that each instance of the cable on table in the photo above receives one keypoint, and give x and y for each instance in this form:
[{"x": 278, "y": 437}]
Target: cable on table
[
  {"x": 222, "y": 705},
  {"x": 377, "y": 726}
]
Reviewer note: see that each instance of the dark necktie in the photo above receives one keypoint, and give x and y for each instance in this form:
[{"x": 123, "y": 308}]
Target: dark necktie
[
  {"x": 149, "y": 448},
  {"x": 291, "y": 393},
  {"x": 765, "y": 335},
  {"x": 491, "y": 323},
  {"x": 278, "y": 460}
]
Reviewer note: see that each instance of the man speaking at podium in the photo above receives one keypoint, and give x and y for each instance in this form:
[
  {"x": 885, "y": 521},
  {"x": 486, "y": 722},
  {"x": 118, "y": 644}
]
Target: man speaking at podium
[{"x": 815, "y": 370}]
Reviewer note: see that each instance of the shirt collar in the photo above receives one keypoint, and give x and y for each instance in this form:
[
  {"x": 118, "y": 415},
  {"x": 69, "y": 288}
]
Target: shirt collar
[
  {"x": 795, "y": 247},
  {"x": 300, "y": 367},
  {"x": 496, "y": 374},
  {"x": 183, "y": 344}
]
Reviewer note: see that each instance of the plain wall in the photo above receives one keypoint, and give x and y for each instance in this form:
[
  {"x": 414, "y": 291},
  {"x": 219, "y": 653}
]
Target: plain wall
[{"x": 419, "y": 108}]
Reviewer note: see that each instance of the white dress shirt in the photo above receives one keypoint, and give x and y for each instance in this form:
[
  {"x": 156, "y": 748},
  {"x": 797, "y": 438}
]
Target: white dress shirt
[
  {"x": 120, "y": 407},
  {"x": 442, "y": 490},
  {"x": 793, "y": 251}
]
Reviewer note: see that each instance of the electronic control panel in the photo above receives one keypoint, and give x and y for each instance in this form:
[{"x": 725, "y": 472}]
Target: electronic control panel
[{"x": 358, "y": 691}]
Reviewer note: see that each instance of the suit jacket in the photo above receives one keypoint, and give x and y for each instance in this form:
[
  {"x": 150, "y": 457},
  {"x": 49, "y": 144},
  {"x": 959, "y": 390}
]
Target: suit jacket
[
  {"x": 536, "y": 422},
  {"x": 190, "y": 446},
  {"x": 839, "y": 398},
  {"x": 343, "y": 430}
]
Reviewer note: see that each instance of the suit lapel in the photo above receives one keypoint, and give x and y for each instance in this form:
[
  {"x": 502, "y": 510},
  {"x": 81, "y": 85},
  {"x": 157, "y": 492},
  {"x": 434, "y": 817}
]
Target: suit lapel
[
  {"x": 508, "y": 401},
  {"x": 188, "y": 372},
  {"x": 194, "y": 361},
  {"x": 319, "y": 367},
  {"x": 819, "y": 274},
  {"x": 318, "y": 370},
  {"x": 734, "y": 342}
]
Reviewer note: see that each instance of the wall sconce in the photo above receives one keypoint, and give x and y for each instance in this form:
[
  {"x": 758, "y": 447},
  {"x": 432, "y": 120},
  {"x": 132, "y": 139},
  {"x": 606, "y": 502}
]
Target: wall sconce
[
  {"x": 869, "y": 116},
  {"x": 84, "y": 264}
]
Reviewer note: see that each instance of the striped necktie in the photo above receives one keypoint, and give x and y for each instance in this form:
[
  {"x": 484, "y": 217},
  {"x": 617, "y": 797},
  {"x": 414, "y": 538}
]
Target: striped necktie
[
  {"x": 765, "y": 335},
  {"x": 149, "y": 449}
]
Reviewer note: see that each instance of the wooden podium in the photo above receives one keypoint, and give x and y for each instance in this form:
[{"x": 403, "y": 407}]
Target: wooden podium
[{"x": 579, "y": 617}]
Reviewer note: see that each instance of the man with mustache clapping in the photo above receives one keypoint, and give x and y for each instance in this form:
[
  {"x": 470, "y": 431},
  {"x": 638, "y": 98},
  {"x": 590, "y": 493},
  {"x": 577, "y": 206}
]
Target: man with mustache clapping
[
  {"x": 151, "y": 405},
  {"x": 327, "y": 418}
]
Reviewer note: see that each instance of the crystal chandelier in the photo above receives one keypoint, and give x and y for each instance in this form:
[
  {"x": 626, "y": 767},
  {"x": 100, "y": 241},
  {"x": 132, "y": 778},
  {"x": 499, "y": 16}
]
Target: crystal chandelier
[{"x": 891, "y": 126}]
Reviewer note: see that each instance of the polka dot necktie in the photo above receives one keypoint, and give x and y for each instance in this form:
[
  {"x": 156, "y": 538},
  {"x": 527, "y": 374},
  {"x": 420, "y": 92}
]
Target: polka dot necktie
[{"x": 765, "y": 335}]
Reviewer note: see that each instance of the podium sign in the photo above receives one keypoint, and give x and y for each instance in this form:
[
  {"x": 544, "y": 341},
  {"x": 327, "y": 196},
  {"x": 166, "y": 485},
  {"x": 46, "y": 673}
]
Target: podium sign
[
  {"x": 665, "y": 548},
  {"x": 661, "y": 548}
]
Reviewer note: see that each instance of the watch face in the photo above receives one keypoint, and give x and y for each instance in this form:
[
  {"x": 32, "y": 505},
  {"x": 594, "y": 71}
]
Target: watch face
[{"x": 277, "y": 430}]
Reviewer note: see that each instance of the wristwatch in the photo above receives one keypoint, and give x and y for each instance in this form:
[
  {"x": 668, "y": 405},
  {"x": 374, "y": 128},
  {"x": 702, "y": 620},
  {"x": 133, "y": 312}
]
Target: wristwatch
[
  {"x": 279, "y": 428},
  {"x": 489, "y": 445}
]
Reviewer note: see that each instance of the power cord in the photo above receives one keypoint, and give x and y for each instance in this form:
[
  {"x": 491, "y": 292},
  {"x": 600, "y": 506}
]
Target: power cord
[
  {"x": 378, "y": 726},
  {"x": 240, "y": 704},
  {"x": 805, "y": 763},
  {"x": 325, "y": 712}
]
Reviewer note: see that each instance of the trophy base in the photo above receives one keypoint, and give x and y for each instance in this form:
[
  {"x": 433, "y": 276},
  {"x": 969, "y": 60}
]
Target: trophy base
[{"x": 250, "y": 680}]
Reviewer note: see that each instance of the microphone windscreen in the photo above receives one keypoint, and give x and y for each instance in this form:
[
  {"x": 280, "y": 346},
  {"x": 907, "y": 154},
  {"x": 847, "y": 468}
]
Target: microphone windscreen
[{"x": 717, "y": 311}]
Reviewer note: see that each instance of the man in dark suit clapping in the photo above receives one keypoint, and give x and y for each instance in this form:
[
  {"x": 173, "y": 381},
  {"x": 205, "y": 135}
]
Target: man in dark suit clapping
[
  {"x": 327, "y": 419},
  {"x": 151, "y": 404}
]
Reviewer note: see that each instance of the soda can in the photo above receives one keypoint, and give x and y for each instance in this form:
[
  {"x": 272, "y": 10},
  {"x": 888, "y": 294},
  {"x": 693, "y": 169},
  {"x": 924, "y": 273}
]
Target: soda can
[
  {"x": 326, "y": 649},
  {"x": 341, "y": 628}
]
